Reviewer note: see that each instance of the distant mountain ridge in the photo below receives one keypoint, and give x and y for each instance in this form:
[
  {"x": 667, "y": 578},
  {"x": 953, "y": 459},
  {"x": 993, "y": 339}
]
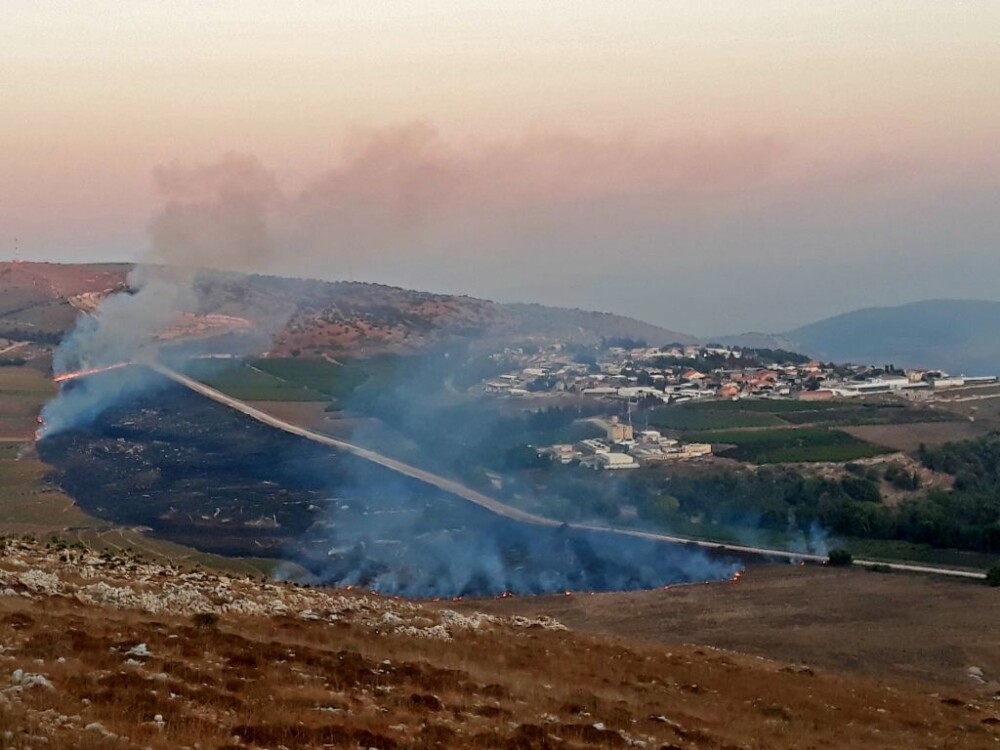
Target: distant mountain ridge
[{"x": 960, "y": 336}]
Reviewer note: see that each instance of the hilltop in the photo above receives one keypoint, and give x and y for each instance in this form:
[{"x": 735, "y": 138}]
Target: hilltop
[{"x": 40, "y": 302}]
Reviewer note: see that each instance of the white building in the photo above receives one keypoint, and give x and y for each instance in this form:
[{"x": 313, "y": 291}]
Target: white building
[{"x": 610, "y": 462}]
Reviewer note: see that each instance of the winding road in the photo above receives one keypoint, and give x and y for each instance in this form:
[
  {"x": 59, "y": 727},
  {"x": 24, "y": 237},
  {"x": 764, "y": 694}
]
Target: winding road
[{"x": 502, "y": 509}]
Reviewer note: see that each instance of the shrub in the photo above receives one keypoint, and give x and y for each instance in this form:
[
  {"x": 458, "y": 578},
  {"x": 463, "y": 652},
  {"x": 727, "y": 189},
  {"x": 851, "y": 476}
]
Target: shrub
[
  {"x": 840, "y": 558},
  {"x": 993, "y": 576},
  {"x": 205, "y": 620}
]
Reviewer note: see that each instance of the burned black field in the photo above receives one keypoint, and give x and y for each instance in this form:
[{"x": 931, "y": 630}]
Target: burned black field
[{"x": 194, "y": 472}]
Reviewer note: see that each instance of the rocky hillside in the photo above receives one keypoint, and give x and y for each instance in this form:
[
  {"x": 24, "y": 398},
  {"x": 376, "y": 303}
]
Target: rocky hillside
[
  {"x": 40, "y": 301},
  {"x": 104, "y": 650}
]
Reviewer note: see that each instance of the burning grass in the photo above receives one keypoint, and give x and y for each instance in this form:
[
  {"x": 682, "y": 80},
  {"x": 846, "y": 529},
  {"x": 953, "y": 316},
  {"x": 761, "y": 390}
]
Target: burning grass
[{"x": 303, "y": 668}]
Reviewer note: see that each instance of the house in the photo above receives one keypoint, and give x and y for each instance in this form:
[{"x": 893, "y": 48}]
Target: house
[{"x": 729, "y": 390}]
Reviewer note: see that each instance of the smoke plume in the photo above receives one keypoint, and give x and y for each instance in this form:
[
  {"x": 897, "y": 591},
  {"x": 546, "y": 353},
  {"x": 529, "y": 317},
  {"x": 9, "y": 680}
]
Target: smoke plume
[{"x": 392, "y": 190}]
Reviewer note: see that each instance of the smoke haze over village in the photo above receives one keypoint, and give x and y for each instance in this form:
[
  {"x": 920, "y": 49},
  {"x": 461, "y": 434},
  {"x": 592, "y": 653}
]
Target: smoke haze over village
[{"x": 812, "y": 163}]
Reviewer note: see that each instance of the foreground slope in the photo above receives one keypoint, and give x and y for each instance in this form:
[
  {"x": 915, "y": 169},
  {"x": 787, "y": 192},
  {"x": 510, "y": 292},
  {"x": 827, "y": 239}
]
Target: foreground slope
[{"x": 114, "y": 652}]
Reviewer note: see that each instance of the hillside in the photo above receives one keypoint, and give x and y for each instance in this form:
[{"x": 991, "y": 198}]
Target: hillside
[
  {"x": 40, "y": 301},
  {"x": 111, "y": 651},
  {"x": 959, "y": 336}
]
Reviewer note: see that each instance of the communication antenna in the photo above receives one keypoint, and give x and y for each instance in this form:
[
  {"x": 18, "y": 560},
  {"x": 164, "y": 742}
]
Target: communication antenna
[{"x": 17, "y": 251}]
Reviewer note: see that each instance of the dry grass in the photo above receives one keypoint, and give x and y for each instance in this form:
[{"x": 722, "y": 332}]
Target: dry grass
[
  {"x": 908, "y": 437},
  {"x": 359, "y": 679},
  {"x": 874, "y": 624}
]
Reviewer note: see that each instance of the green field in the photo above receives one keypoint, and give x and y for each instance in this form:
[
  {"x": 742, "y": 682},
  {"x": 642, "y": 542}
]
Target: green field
[
  {"x": 869, "y": 414},
  {"x": 790, "y": 445},
  {"x": 280, "y": 379},
  {"x": 318, "y": 375},
  {"x": 724, "y": 415},
  {"x": 897, "y": 550},
  {"x": 769, "y": 406},
  {"x": 244, "y": 381},
  {"x": 689, "y": 418}
]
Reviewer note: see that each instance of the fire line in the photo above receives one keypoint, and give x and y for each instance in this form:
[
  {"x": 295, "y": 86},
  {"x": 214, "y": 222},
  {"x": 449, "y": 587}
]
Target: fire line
[{"x": 66, "y": 376}]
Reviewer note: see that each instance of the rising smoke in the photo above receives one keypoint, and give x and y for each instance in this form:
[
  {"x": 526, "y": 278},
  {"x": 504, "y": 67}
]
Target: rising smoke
[{"x": 394, "y": 187}]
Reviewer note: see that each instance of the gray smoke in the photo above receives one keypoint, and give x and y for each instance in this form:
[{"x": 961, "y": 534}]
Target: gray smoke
[
  {"x": 393, "y": 188},
  {"x": 219, "y": 212}
]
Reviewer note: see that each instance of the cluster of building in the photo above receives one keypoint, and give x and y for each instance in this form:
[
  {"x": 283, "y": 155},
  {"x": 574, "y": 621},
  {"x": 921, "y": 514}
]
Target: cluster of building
[
  {"x": 623, "y": 448},
  {"x": 677, "y": 374},
  {"x": 910, "y": 383}
]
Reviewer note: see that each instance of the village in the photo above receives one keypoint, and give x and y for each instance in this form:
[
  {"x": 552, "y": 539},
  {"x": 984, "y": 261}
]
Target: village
[{"x": 640, "y": 376}]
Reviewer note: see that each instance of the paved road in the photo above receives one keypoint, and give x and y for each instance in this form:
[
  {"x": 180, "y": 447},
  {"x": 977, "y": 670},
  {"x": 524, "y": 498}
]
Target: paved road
[
  {"x": 502, "y": 509},
  {"x": 443, "y": 483}
]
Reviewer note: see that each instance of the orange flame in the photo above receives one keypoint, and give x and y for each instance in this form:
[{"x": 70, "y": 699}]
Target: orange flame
[{"x": 84, "y": 373}]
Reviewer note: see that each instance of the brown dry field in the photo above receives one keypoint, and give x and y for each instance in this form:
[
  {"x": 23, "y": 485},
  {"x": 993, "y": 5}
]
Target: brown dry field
[
  {"x": 280, "y": 681},
  {"x": 908, "y": 437},
  {"x": 875, "y": 624}
]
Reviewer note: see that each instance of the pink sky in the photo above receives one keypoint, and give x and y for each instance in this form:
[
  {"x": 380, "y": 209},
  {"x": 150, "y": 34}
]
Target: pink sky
[{"x": 629, "y": 153}]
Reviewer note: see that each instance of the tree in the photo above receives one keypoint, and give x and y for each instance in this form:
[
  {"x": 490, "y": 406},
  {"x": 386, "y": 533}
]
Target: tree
[
  {"x": 840, "y": 558},
  {"x": 993, "y": 576}
]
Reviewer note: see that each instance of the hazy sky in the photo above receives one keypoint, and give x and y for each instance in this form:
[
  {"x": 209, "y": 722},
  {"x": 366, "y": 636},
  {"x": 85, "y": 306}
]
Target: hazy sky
[{"x": 711, "y": 166}]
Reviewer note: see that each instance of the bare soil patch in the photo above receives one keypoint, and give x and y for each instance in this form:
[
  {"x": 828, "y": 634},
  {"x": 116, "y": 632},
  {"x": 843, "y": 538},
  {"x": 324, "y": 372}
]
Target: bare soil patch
[{"x": 908, "y": 437}]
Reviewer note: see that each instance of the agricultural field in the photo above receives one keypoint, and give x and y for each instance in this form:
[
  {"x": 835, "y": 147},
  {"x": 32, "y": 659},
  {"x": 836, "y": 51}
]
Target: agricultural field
[
  {"x": 245, "y": 381},
  {"x": 768, "y": 406},
  {"x": 723, "y": 415},
  {"x": 909, "y": 437},
  {"x": 692, "y": 418},
  {"x": 23, "y": 391},
  {"x": 784, "y": 445},
  {"x": 318, "y": 375},
  {"x": 279, "y": 379},
  {"x": 870, "y": 413}
]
